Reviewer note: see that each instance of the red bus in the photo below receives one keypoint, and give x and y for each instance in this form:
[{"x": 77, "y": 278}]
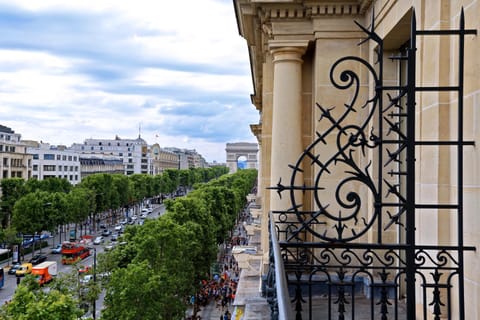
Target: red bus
[{"x": 73, "y": 252}]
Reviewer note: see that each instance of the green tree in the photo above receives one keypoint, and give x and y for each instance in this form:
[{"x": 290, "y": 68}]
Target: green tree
[
  {"x": 30, "y": 213},
  {"x": 12, "y": 190},
  {"x": 30, "y": 302},
  {"x": 160, "y": 272}
]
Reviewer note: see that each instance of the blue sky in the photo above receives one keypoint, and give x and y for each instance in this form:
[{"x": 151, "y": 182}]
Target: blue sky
[{"x": 175, "y": 71}]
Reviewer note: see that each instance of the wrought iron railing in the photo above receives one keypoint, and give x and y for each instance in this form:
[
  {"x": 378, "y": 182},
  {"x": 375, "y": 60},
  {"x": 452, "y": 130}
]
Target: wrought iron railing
[
  {"x": 339, "y": 258},
  {"x": 275, "y": 283}
]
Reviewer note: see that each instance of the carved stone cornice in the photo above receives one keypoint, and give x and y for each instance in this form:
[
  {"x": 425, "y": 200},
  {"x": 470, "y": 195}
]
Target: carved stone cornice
[{"x": 257, "y": 132}]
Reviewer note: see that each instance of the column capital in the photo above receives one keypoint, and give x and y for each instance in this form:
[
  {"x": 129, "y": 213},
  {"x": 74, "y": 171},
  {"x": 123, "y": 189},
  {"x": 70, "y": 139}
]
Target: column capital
[{"x": 287, "y": 49}]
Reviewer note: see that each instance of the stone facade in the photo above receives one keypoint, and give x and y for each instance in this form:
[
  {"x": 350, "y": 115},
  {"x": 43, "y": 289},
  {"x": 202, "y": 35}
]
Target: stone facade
[
  {"x": 292, "y": 46},
  {"x": 133, "y": 152},
  {"x": 235, "y": 150},
  {"x": 15, "y": 162},
  {"x": 162, "y": 159},
  {"x": 54, "y": 161}
]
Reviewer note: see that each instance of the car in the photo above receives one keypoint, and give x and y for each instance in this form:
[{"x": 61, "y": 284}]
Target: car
[
  {"x": 24, "y": 269},
  {"x": 114, "y": 237},
  {"x": 109, "y": 247},
  {"x": 57, "y": 249},
  {"x": 106, "y": 233},
  {"x": 13, "y": 269},
  {"x": 84, "y": 269},
  {"x": 103, "y": 226},
  {"x": 38, "y": 258},
  {"x": 143, "y": 216},
  {"x": 86, "y": 278},
  {"x": 118, "y": 228},
  {"x": 98, "y": 240}
]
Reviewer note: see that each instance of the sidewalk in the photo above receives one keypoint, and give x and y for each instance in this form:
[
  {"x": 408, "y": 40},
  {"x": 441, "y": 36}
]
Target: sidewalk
[{"x": 211, "y": 312}]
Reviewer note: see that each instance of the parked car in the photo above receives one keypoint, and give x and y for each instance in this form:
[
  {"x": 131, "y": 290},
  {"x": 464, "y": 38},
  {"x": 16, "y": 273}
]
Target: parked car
[
  {"x": 57, "y": 249},
  {"x": 114, "y": 237},
  {"x": 109, "y": 247},
  {"x": 106, "y": 232},
  {"x": 14, "y": 268},
  {"x": 98, "y": 240},
  {"x": 24, "y": 269},
  {"x": 38, "y": 258},
  {"x": 86, "y": 278},
  {"x": 84, "y": 269},
  {"x": 118, "y": 228}
]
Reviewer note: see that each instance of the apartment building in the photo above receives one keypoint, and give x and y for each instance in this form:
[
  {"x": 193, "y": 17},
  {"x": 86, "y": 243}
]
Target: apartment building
[
  {"x": 188, "y": 158},
  {"x": 133, "y": 152},
  {"x": 162, "y": 159},
  {"x": 54, "y": 161},
  {"x": 15, "y": 162}
]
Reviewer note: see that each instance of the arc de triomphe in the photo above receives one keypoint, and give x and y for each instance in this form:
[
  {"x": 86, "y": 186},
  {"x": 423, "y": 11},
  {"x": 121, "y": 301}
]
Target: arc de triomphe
[{"x": 239, "y": 149}]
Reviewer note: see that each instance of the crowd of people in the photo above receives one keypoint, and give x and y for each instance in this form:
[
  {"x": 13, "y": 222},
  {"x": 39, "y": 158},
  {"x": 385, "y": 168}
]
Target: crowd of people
[{"x": 221, "y": 288}]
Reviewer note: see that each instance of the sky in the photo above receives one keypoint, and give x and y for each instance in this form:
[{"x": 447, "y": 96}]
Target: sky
[{"x": 175, "y": 72}]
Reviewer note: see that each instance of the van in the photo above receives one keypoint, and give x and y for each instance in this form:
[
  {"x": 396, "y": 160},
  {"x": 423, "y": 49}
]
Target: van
[
  {"x": 44, "y": 272},
  {"x": 24, "y": 269}
]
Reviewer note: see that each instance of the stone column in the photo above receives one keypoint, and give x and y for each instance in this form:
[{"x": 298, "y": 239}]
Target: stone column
[{"x": 287, "y": 115}]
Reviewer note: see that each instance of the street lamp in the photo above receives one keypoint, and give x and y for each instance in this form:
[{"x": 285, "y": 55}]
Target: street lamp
[{"x": 94, "y": 280}]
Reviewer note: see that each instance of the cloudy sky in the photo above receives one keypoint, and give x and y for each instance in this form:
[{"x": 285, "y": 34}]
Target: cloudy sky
[{"x": 175, "y": 71}]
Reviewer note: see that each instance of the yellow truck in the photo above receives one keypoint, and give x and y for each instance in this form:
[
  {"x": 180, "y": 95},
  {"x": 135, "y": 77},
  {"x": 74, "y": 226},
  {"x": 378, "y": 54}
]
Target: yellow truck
[{"x": 24, "y": 269}]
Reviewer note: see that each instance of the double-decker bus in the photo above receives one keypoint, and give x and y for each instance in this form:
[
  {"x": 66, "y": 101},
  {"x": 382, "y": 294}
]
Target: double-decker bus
[{"x": 73, "y": 252}]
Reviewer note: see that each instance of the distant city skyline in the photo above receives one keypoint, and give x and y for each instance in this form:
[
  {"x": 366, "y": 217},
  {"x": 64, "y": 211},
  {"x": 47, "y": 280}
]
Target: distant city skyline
[{"x": 177, "y": 73}]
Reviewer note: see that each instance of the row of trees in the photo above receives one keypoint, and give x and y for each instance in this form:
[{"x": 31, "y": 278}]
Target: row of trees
[
  {"x": 164, "y": 261},
  {"x": 32, "y": 206},
  {"x": 158, "y": 266}
]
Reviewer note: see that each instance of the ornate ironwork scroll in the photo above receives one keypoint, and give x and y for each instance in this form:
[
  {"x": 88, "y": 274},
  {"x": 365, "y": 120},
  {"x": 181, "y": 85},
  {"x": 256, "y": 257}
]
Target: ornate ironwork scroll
[{"x": 356, "y": 251}]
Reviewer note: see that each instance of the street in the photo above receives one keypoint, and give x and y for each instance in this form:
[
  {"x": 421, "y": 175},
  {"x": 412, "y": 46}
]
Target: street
[{"x": 10, "y": 284}]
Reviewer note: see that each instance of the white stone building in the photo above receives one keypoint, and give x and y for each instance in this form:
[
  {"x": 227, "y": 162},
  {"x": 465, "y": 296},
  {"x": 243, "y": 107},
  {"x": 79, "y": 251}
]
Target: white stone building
[
  {"x": 54, "y": 161},
  {"x": 133, "y": 152}
]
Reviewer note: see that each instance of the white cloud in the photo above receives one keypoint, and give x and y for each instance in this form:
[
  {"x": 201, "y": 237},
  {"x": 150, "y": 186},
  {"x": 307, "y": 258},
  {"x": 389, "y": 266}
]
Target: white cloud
[{"x": 71, "y": 70}]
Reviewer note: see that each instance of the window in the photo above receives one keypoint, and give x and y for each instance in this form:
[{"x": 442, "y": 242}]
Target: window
[
  {"x": 120, "y": 154},
  {"x": 49, "y": 168},
  {"x": 48, "y": 156},
  {"x": 69, "y": 158},
  {"x": 59, "y": 157},
  {"x": 35, "y": 167},
  {"x": 35, "y": 156},
  {"x": 74, "y": 158},
  {"x": 65, "y": 168}
]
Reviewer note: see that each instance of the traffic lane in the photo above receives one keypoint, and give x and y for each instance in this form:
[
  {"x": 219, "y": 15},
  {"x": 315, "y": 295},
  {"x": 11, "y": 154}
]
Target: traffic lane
[{"x": 10, "y": 282}]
